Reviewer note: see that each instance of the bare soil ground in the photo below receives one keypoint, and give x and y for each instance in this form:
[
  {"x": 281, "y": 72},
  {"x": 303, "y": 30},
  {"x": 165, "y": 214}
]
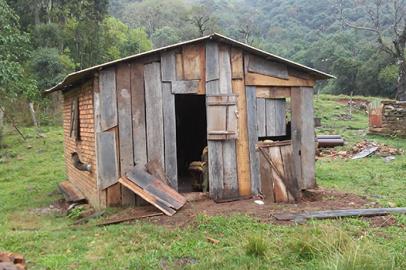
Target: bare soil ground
[{"x": 319, "y": 199}]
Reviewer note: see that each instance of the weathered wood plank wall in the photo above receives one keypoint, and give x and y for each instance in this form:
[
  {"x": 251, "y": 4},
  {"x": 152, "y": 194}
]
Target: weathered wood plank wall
[{"x": 125, "y": 128}]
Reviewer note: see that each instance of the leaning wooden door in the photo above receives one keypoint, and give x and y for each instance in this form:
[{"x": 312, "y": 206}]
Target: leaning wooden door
[{"x": 278, "y": 180}]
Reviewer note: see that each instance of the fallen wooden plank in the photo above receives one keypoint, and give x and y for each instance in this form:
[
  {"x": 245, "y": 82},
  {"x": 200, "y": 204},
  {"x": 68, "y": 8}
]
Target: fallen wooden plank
[
  {"x": 147, "y": 197},
  {"x": 126, "y": 219},
  {"x": 70, "y": 193},
  {"x": 370, "y": 212},
  {"x": 153, "y": 190}
]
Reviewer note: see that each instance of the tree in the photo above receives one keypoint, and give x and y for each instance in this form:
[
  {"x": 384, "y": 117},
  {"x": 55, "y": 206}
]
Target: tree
[
  {"x": 14, "y": 48},
  {"x": 201, "y": 17},
  {"x": 391, "y": 27}
]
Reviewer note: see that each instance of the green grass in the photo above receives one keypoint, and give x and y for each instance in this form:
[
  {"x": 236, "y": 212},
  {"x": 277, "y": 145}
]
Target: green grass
[{"x": 29, "y": 172}]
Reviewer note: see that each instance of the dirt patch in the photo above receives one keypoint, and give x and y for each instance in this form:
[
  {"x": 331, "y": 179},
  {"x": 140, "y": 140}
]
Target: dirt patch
[
  {"x": 318, "y": 199},
  {"x": 358, "y": 103},
  {"x": 57, "y": 207},
  {"x": 383, "y": 221}
]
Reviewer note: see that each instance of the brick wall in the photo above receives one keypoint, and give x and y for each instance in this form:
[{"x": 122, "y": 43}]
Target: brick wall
[
  {"x": 392, "y": 119},
  {"x": 85, "y": 147}
]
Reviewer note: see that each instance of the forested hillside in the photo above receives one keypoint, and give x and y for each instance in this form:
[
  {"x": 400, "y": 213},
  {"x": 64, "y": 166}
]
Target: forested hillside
[
  {"x": 43, "y": 40},
  {"x": 308, "y": 31}
]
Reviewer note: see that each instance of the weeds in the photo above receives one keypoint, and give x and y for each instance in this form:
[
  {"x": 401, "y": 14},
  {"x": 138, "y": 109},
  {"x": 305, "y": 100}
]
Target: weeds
[{"x": 256, "y": 246}]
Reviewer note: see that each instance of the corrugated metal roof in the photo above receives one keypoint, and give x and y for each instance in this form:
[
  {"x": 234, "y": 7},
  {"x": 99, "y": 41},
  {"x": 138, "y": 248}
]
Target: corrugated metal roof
[{"x": 74, "y": 77}]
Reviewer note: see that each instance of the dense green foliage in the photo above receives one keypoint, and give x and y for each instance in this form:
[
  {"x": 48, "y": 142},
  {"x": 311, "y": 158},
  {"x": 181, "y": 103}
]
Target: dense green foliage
[{"x": 309, "y": 32}]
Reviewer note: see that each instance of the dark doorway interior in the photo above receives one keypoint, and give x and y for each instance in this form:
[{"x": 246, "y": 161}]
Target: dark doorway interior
[{"x": 191, "y": 137}]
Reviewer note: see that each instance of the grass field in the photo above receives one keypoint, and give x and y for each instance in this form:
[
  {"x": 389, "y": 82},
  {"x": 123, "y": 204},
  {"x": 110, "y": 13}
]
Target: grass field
[{"x": 30, "y": 171}]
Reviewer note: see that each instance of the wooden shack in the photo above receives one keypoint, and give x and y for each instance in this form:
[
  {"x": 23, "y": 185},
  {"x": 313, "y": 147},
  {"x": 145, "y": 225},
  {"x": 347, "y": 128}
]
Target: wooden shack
[{"x": 253, "y": 110}]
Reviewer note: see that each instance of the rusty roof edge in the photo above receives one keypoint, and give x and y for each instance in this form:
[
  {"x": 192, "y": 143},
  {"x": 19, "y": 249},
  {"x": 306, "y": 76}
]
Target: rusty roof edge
[{"x": 64, "y": 83}]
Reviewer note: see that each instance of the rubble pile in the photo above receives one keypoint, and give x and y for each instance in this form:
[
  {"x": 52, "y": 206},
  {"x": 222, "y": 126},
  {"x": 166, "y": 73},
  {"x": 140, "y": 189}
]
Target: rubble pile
[{"x": 382, "y": 150}]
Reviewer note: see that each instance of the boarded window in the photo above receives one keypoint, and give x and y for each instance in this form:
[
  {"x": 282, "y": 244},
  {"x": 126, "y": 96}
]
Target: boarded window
[
  {"x": 271, "y": 117},
  {"x": 74, "y": 123},
  {"x": 221, "y": 117}
]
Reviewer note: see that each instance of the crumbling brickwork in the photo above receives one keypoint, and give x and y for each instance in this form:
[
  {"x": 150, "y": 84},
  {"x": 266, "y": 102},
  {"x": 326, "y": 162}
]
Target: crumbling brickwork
[
  {"x": 85, "y": 146},
  {"x": 393, "y": 119}
]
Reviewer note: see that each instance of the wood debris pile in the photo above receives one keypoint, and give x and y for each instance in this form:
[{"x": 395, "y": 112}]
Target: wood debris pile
[
  {"x": 12, "y": 261},
  {"x": 382, "y": 150}
]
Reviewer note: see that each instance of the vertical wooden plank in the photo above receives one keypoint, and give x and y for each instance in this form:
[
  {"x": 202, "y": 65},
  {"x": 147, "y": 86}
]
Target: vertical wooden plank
[
  {"x": 237, "y": 67},
  {"x": 308, "y": 139},
  {"x": 202, "y": 83},
  {"x": 224, "y": 70},
  {"x": 296, "y": 131},
  {"x": 229, "y": 152},
  {"x": 179, "y": 67},
  {"x": 138, "y": 114},
  {"x": 250, "y": 93},
  {"x": 290, "y": 179},
  {"x": 280, "y": 117},
  {"x": 216, "y": 176},
  {"x": 270, "y": 111},
  {"x": 97, "y": 129},
  {"x": 266, "y": 178},
  {"x": 123, "y": 79},
  {"x": 169, "y": 116},
  {"x": 153, "y": 104},
  {"x": 212, "y": 61},
  {"x": 215, "y": 148},
  {"x": 243, "y": 159},
  {"x": 168, "y": 66},
  {"x": 113, "y": 195},
  {"x": 191, "y": 62},
  {"x": 108, "y": 104},
  {"x": 280, "y": 192},
  {"x": 261, "y": 117}
]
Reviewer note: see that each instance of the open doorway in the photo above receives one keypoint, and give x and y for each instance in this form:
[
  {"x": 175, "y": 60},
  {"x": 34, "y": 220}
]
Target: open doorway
[{"x": 191, "y": 139}]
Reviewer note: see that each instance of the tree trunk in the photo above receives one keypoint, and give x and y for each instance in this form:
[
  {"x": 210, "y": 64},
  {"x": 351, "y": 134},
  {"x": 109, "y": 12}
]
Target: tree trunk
[
  {"x": 33, "y": 116},
  {"x": 401, "y": 86}
]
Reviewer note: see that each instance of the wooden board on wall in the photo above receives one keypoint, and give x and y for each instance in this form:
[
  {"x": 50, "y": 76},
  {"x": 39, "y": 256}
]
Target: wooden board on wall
[
  {"x": 243, "y": 159},
  {"x": 108, "y": 105},
  {"x": 267, "y": 67},
  {"x": 212, "y": 61},
  {"x": 250, "y": 93},
  {"x": 107, "y": 158},
  {"x": 266, "y": 178},
  {"x": 138, "y": 114},
  {"x": 191, "y": 62},
  {"x": 273, "y": 92},
  {"x": 169, "y": 116},
  {"x": 237, "y": 65},
  {"x": 168, "y": 66},
  {"x": 125, "y": 128},
  {"x": 275, "y": 117},
  {"x": 261, "y": 117},
  {"x": 296, "y": 128},
  {"x": 263, "y": 80},
  {"x": 97, "y": 129},
  {"x": 154, "y": 117},
  {"x": 185, "y": 87},
  {"x": 308, "y": 144}
]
